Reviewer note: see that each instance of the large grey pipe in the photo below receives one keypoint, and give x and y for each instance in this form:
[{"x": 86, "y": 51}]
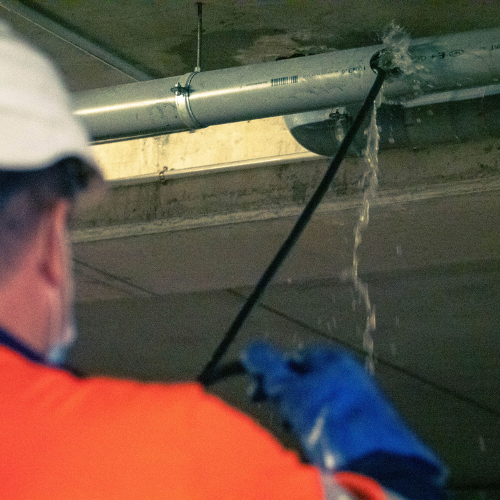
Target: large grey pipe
[
  {"x": 195, "y": 100},
  {"x": 450, "y": 116}
]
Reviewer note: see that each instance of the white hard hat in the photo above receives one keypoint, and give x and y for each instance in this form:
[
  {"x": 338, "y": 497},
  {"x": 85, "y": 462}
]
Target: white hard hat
[{"x": 37, "y": 127}]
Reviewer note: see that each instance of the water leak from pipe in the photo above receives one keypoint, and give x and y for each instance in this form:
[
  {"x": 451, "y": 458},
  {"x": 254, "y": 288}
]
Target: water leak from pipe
[
  {"x": 369, "y": 184},
  {"x": 397, "y": 43}
]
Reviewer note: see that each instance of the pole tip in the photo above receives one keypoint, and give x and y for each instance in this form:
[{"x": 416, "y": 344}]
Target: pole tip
[{"x": 384, "y": 61}]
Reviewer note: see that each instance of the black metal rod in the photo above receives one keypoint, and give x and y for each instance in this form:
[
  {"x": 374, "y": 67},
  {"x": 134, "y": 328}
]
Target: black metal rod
[
  {"x": 206, "y": 375},
  {"x": 200, "y": 29}
]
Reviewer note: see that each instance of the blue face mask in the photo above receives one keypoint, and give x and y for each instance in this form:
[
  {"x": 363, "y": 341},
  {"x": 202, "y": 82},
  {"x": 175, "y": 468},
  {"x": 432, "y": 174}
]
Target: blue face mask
[{"x": 58, "y": 353}]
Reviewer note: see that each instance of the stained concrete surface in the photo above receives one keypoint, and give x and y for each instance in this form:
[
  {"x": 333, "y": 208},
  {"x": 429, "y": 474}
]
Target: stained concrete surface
[{"x": 289, "y": 184}]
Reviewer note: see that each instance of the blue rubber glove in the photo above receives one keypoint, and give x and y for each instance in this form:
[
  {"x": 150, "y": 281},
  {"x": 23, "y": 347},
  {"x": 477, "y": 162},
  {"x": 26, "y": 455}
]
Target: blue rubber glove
[{"x": 335, "y": 408}]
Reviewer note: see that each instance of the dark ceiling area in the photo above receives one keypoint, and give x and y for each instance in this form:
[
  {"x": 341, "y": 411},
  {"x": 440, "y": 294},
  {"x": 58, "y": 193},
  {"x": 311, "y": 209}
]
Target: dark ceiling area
[{"x": 161, "y": 37}]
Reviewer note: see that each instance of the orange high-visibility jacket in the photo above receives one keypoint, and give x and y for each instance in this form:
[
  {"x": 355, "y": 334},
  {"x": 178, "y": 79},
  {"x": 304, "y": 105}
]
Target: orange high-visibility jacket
[{"x": 63, "y": 437}]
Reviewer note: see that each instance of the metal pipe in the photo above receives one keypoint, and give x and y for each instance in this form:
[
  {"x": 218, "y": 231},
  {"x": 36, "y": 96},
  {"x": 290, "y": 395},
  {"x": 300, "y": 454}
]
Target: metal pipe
[
  {"x": 75, "y": 39},
  {"x": 446, "y": 63},
  {"x": 457, "y": 116}
]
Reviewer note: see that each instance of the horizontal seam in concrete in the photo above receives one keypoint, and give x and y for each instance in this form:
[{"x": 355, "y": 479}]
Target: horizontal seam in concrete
[
  {"x": 428, "y": 382},
  {"x": 387, "y": 198},
  {"x": 116, "y": 282}
]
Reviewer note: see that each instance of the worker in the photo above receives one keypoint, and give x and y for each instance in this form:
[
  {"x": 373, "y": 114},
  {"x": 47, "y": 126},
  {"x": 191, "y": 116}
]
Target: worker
[{"x": 69, "y": 437}]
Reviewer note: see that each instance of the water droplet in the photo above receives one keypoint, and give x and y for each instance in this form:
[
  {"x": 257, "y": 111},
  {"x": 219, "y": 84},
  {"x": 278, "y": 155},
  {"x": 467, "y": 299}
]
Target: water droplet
[
  {"x": 329, "y": 460},
  {"x": 346, "y": 274},
  {"x": 371, "y": 321},
  {"x": 368, "y": 342},
  {"x": 393, "y": 349},
  {"x": 370, "y": 365},
  {"x": 396, "y": 321},
  {"x": 482, "y": 445},
  {"x": 399, "y": 250}
]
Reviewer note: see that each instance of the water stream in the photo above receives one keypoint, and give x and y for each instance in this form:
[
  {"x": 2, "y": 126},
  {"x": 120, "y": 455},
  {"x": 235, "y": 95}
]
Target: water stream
[
  {"x": 397, "y": 43},
  {"x": 369, "y": 184}
]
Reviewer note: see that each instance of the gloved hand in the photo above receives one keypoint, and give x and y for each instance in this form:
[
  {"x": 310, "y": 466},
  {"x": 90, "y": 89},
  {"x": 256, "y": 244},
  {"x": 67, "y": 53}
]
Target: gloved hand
[{"x": 335, "y": 408}]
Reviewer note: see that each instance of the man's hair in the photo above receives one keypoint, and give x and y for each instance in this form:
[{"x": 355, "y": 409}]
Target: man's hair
[{"x": 24, "y": 198}]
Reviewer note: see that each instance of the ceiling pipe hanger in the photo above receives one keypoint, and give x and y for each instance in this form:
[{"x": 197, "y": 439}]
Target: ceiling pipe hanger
[{"x": 200, "y": 30}]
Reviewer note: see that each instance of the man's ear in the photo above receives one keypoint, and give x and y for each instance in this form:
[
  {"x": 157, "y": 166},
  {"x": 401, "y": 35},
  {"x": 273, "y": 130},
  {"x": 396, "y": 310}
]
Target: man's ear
[{"x": 52, "y": 246}]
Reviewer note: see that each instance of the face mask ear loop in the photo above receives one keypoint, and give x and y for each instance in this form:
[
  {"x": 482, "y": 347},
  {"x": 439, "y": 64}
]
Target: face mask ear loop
[
  {"x": 53, "y": 328},
  {"x": 62, "y": 331},
  {"x": 65, "y": 334}
]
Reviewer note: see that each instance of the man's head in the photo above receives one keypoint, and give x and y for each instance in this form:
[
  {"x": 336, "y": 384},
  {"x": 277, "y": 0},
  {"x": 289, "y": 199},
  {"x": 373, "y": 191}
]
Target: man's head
[{"x": 45, "y": 164}]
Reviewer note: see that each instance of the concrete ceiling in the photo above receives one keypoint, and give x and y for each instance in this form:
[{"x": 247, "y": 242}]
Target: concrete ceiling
[
  {"x": 161, "y": 37},
  {"x": 162, "y": 268}
]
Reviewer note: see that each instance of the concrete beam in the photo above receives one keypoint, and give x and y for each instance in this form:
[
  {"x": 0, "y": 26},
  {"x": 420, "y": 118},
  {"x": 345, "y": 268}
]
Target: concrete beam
[
  {"x": 254, "y": 166},
  {"x": 218, "y": 148}
]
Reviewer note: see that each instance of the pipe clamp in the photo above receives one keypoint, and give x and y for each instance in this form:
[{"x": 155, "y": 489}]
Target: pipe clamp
[{"x": 181, "y": 90}]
